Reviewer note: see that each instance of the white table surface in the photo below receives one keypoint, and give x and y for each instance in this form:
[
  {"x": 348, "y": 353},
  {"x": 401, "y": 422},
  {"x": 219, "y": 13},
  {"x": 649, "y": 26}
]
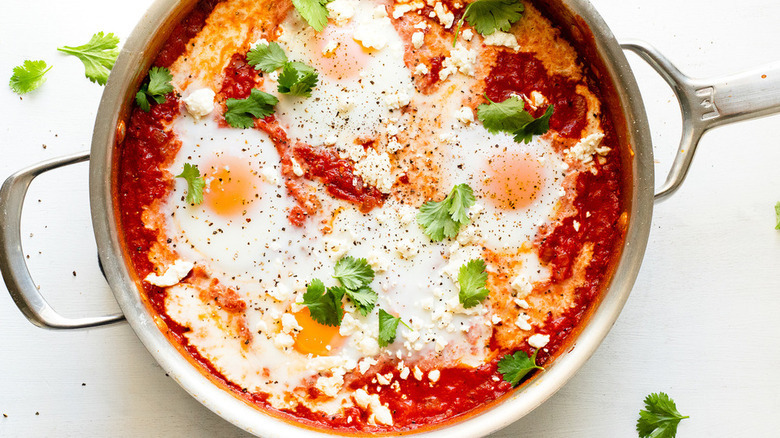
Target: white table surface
[{"x": 702, "y": 323}]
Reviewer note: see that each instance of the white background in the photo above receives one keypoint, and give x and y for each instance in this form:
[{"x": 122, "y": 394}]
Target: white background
[{"x": 702, "y": 323}]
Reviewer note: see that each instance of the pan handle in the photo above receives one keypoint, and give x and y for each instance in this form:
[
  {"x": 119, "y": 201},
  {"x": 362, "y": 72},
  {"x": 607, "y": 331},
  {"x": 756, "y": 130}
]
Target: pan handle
[
  {"x": 12, "y": 263},
  {"x": 709, "y": 103}
]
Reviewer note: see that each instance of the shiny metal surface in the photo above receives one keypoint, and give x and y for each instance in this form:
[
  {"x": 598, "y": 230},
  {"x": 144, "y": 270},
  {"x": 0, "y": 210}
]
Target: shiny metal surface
[
  {"x": 709, "y": 103},
  {"x": 13, "y": 266},
  {"x": 131, "y": 67}
]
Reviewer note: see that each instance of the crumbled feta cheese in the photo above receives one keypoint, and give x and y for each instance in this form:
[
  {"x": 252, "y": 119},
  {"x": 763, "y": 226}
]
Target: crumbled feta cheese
[
  {"x": 576, "y": 225},
  {"x": 330, "y": 386},
  {"x": 406, "y": 248},
  {"x": 379, "y": 413},
  {"x": 397, "y": 100},
  {"x": 350, "y": 325},
  {"x": 523, "y": 304},
  {"x": 173, "y": 275},
  {"x": 467, "y": 34},
  {"x": 403, "y": 8},
  {"x": 283, "y": 340},
  {"x": 270, "y": 175},
  {"x": 368, "y": 346},
  {"x": 588, "y": 146},
  {"x": 446, "y": 18},
  {"x": 538, "y": 340},
  {"x": 418, "y": 38},
  {"x": 330, "y": 48},
  {"x": 280, "y": 292},
  {"x": 421, "y": 69},
  {"x": 289, "y": 323},
  {"x": 376, "y": 170},
  {"x": 404, "y": 373},
  {"x": 384, "y": 379},
  {"x": 378, "y": 262},
  {"x": 504, "y": 39},
  {"x": 297, "y": 169},
  {"x": 522, "y": 286},
  {"x": 440, "y": 345},
  {"x": 340, "y": 11},
  {"x": 434, "y": 375},
  {"x": 461, "y": 60},
  {"x": 380, "y": 12},
  {"x": 365, "y": 364},
  {"x": 200, "y": 103},
  {"x": 335, "y": 247},
  {"x": 417, "y": 373},
  {"x": 465, "y": 115},
  {"x": 368, "y": 37},
  {"x": 495, "y": 319},
  {"x": 537, "y": 99},
  {"x": 382, "y": 415},
  {"x": 421, "y": 25},
  {"x": 522, "y": 322}
]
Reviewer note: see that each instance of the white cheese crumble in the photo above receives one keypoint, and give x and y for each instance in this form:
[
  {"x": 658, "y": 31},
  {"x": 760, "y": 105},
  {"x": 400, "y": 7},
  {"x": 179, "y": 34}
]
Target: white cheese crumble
[
  {"x": 522, "y": 322},
  {"x": 340, "y": 11},
  {"x": 461, "y": 60},
  {"x": 434, "y": 375},
  {"x": 446, "y": 18},
  {"x": 280, "y": 293},
  {"x": 380, "y": 12},
  {"x": 421, "y": 69},
  {"x": 336, "y": 248},
  {"x": 173, "y": 275},
  {"x": 538, "y": 340},
  {"x": 365, "y": 364},
  {"x": 379, "y": 412},
  {"x": 504, "y": 39},
  {"x": 368, "y": 37},
  {"x": 397, "y": 100},
  {"x": 289, "y": 323},
  {"x": 403, "y": 8},
  {"x": 283, "y": 340},
  {"x": 418, "y": 38},
  {"x": 297, "y": 169},
  {"x": 522, "y": 286},
  {"x": 587, "y": 147},
  {"x": 200, "y": 103},
  {"x": 537, "y": 99},
  {"x": 467, "y": 34},
  {"x": 376, "y": 170},
  {"x": 330, "y": 386},
  {"x": 465, "y": 115},
  {"x": 330, "y": 48},
  {"x": 418, "y": 374}
]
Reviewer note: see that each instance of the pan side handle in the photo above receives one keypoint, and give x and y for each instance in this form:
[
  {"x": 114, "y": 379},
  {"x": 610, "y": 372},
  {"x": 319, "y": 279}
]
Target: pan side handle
[
  {"x": 12, "y": 263},
  {"x": 709, "y": 103}
]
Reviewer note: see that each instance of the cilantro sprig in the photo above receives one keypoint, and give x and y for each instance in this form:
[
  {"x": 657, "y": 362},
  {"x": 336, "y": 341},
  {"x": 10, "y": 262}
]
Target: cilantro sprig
[
  {"x": 28, "y": 76},
  {"x": 660, "y": 417},
  {"x": 516, "y": 366},
  {"x": 156, "y": 88},
  {"x": 487, "y": 16},
  {"x": 195, "y": 183},
  {"x": 356, "y": 275},
  {"x": 510, "y": 116},
  {"x": 98, "y": 55},
  {"x": 324, "y": 304},
  {"x": 388, "y": 327},
  {"x": 296, "y": 78},
  {"x": 471, "y": 279},
  {"x": 445, "y": 218},
  {"x": 241, "y": 113},
  {"x": 314, "y": 12},
  {"x": 777, "y": 215}
]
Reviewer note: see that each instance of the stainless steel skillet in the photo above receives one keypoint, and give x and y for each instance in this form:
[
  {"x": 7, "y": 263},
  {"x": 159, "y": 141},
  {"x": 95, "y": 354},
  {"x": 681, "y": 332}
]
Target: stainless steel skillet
[{"x": 705, "y": 104}]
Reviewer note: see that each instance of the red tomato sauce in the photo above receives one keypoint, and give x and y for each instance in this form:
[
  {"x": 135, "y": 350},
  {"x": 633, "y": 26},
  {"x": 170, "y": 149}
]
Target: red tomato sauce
[{"x": 148, "y": 146}]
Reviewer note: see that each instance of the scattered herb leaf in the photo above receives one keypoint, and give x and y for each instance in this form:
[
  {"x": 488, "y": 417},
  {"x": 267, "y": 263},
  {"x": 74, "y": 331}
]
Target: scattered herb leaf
[
  {"x": 28, "y": 76},
  {"x": 444, "y": 219},
  {"x": 516, "y": 366},
  {"x": 472, "y": 278},
  {"x": 314, "y": 12},
  {"x": 486, "y": 16},
  {"x": 364, "y": 299},
  {"x": 156, "y": 88},
  {"x": 297, "y": 79},
  {"x": 324, "y": 305},
  {"x": 388, "y": 326},
  {"x": 777, "y": 215},
  {"x": 535, "y": 127},
  {"x": 195, "y": 183},
  {"x": 660, "y": 417},
  {"x": 353, "y": 273},
  {"x": 509, "y": 116},
  {"x": 267, "y": 57},
  {"x": 241, "y": 113},
  {"x": 98, "y": 55}
]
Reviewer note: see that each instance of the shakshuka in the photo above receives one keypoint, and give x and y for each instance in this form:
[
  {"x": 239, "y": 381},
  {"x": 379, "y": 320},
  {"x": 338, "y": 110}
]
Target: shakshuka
[{"x": 371, "y": 216}]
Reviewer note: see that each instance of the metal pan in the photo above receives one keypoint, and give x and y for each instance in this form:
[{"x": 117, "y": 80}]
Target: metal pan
[{"x": 705, "y": 104}]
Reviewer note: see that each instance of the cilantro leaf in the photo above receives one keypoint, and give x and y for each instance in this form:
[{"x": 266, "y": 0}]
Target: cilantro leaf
[
  {"x": 98, "y": 56},
  {"x": 267, "y": 57},
  {"x": 156, "y": 88},
  {"x": 242, "y": 112},
  {"x": 535, "y": 127},
  {"x": 515, "y": 366},
  {"x": 777, "y": 215},
  {"x": 486, "y": 16},
  {"x": 444, "y": 219},
  {"x": 353, "y": 273},
  {"x": 660, "y": 417},
  {"x": 195, "y": 183},
  {"x": 324, "y": 305},
  {"x": 297, "y": 79},
  {"x": 364, "y": 299},
  {"x": 28, "y": 76},
  {"x": 507, "y": 116},
  {"x": 314, "y": 12},
  {"x": 472, "y": 278},
  {"x": 160, "y": 82},
  {"x": 388, "y": 326}
]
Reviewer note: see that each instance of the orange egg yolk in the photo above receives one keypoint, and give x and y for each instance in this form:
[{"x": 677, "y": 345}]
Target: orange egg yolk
[
  {"x": 337, "y": 55},
  {"x": 315, "y": 338},
  {"x": 513, "y": 180},
  {"x": 230, "y": 186}
]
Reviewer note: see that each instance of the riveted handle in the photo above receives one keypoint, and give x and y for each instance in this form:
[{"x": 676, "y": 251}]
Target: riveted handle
[
  {"x": 12, "y": 263},
  {"x": 709, "y": 103}
]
